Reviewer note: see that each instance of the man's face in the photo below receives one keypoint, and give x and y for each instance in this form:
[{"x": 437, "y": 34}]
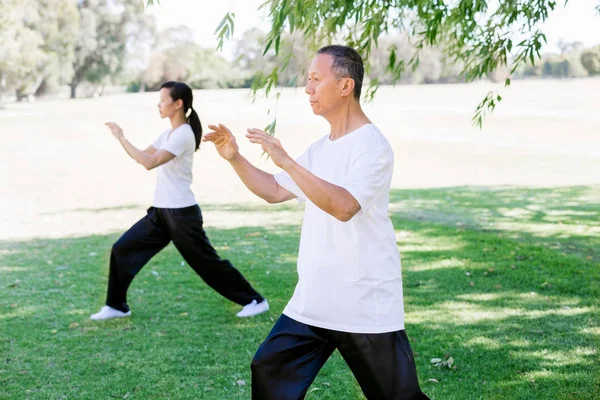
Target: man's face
[{"x": 323, "y": 85}]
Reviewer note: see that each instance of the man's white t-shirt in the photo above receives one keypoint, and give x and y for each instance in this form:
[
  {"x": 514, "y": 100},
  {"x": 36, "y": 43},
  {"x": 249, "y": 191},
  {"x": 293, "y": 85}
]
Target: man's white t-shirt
[
  {"x": 349, "y": 274},
  {"x": 174, "y": 178}
]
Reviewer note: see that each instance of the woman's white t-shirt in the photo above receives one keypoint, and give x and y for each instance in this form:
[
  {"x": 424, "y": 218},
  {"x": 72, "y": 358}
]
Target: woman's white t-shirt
[
  {"x": 174, "y": 178},
  {"x": 349, "y": 275}
]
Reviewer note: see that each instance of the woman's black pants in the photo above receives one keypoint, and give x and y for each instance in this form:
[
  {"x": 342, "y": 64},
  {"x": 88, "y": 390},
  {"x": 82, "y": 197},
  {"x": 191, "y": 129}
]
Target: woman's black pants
[{"x": 156, "y": 230}]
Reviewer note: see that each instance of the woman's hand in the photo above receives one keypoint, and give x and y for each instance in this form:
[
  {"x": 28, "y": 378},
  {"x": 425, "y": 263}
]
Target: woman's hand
[{"x": 116, "y": 130}]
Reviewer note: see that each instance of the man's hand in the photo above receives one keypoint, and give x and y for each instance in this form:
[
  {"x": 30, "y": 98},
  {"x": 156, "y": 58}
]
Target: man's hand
[
  {"x": 271, "y": 146},
  {"x": 224, "y": 141}
]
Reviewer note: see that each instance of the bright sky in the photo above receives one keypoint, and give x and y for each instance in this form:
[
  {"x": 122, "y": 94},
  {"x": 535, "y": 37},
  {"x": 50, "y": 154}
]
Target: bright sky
[
  {"x": 203, "y": 17},
  {"x": 578, "y": 21}
]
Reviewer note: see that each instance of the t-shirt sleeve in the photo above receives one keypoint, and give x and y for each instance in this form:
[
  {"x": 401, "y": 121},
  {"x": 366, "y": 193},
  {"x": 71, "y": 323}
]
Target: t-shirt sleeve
[
  {"x": 158, "y": 142},
  {"x": 285, "y": 180},
  {"x": 179, "y": 141},
  {"x": 369, "y": 175}
]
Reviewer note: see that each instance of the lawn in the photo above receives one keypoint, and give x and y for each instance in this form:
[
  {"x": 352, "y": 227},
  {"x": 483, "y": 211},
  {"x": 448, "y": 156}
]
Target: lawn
[{"x": 505, "y": 281}]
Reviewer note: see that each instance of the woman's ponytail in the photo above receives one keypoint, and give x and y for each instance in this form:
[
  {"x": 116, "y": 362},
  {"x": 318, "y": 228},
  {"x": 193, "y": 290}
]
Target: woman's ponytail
[{"x": 194, "y": 121}]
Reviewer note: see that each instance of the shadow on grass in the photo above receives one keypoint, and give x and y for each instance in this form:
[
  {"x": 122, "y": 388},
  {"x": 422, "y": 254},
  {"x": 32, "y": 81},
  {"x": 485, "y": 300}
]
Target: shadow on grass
[
  {"x": 521, "y": 321},
  {"x": 224, "y": 207},
  {"x": 99, "y": 209},
  {"x": 566, "y": 219},
  {"x": 183, "y": 340}
]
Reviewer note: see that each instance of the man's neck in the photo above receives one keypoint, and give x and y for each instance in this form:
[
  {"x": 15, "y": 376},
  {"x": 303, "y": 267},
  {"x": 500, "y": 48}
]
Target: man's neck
[{"x": 347, "y": 119}]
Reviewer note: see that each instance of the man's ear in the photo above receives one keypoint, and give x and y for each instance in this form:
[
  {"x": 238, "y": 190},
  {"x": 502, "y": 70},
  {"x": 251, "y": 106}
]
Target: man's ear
[{"x": 347, "y": 86}]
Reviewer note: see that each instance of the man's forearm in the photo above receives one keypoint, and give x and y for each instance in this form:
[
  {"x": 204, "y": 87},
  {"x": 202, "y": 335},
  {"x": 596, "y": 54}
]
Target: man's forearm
[
  {"x": 333, "y": 199},
  {"x": 256, "y": 180}
]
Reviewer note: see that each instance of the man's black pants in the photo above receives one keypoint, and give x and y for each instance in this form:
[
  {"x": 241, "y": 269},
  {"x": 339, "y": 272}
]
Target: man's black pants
[{"x": 290, "y": 358}]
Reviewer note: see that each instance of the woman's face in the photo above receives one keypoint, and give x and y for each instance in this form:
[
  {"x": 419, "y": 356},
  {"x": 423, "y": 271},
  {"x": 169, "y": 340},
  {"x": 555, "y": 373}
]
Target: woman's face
[{"x": 166, "y": 106}]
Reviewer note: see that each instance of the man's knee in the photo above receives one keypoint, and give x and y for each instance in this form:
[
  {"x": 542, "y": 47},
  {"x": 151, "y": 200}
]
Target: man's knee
[
  {"x": 259, "y": 362},
  {"x": 264, "y": 383}
]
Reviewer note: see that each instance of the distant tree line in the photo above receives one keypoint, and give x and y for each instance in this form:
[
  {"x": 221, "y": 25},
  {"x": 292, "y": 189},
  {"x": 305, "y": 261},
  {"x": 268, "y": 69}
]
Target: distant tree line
[{"x": 49, "y": 44}]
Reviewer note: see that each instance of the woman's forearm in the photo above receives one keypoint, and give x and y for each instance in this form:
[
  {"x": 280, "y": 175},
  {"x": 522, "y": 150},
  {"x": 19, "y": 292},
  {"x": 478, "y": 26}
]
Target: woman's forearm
[{"x": 138, "y": 155}]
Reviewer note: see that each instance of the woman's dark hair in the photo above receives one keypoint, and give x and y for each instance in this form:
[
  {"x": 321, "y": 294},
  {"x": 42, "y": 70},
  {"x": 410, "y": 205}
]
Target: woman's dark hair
[{"x": 181, "y": 91}]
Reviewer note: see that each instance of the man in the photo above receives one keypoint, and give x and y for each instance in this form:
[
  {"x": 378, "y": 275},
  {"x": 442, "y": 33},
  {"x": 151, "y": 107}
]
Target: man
[{"x": 349, "y": 291}]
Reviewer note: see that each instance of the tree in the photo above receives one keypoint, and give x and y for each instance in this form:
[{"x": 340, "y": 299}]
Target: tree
[
  {"x": 569, "y": 47},
  {"x": 59, "y": 27},
  {"x": 38, "y": 40},
  {"x": 210, "y": 70},
  {"x": 590, "y": 59},
  {"x": 563, "y": 66},
  {"x": 170, "y": 58},
  {"x": 142, "y": 38},
  {"x": 573, "y": 62},
  {"x": 4, "y": 52},
  {"x": 472, "y": 33},
  {"x": 250, "y": 56},
  {"x": 105, "y": 27},
  {"x": 21, "y": 53},
  {"x": 175, "y": 56},
  {"x": 483, "y": 36},
  {"x": 432, "y": 68}
]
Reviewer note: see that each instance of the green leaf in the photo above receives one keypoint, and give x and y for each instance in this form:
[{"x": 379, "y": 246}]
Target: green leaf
[
  {"x": 392, "y": 62},
  {"x": 270, "y": 129},
  {"x": 231, "y": 22},
  {"x": 475, "y": 35},
  {"x": 222, "y": 23},
  {"x": 267, "y": 47}
]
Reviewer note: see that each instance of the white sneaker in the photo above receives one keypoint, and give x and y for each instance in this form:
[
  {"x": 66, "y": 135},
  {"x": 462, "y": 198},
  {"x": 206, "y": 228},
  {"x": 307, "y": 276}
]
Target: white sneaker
[
  {"x": 107, "y": 312},
  {"x": 254, "y": 308}
]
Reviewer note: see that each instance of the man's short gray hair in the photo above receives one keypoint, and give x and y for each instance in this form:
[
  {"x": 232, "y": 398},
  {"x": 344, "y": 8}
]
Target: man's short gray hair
[{"x": 346, "y": 63}]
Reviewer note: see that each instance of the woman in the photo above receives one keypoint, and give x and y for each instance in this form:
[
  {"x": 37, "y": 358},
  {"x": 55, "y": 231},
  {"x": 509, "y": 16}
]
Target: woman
[{"x": 174, "y": 215}]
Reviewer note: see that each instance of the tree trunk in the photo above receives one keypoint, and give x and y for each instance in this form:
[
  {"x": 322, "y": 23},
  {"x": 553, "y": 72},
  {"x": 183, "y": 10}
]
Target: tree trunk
[
  {"x": 42, "y": 89},
  {"x": 1, "y": 86},
  {"x": 33, "y": 88},
  {"x": 73, "y": 86}
]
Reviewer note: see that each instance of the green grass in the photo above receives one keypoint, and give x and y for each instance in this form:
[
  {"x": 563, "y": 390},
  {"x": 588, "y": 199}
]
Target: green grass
[{"x": 505, "y": 281}]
